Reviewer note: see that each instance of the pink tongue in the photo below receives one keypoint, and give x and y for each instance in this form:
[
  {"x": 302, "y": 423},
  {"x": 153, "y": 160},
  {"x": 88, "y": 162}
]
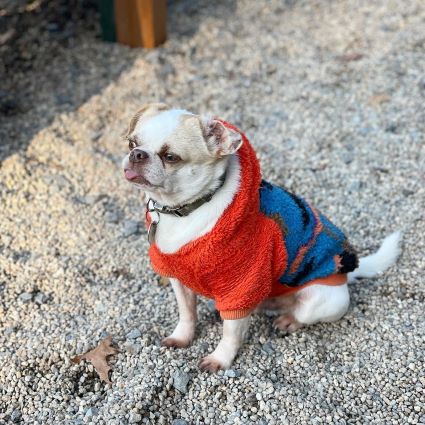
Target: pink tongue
[{"x": 130, "y": 174}]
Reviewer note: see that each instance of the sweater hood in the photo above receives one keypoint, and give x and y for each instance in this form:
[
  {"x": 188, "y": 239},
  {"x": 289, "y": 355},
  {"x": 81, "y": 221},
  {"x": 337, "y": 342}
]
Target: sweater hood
[{"x": 244, "y": 205}]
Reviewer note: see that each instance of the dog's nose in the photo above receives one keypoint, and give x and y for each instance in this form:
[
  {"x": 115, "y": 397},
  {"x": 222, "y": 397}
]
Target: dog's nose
[{"x": 137, "y": 155}]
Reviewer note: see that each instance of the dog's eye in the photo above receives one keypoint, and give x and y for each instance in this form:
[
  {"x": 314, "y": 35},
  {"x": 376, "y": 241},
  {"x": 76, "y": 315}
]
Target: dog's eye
[
  {"x": 132, "y": 144},
  {"x": 171, "y": 158}
]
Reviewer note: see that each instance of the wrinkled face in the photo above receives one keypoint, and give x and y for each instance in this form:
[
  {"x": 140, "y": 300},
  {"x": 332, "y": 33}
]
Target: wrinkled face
[{"x": 175, "y": 156}]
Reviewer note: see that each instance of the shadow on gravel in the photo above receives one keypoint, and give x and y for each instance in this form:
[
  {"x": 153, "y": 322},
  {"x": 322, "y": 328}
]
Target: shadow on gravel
[{"x": 52, "y": 59}]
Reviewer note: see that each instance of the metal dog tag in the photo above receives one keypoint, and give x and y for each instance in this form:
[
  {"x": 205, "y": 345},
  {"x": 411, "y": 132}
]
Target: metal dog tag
[
  {"x": 152, "y": 232},
  {"x": 152, "y": 226}
]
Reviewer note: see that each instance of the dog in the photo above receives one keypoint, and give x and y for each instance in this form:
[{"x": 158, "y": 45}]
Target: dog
[{"x": 218, "y": 230}]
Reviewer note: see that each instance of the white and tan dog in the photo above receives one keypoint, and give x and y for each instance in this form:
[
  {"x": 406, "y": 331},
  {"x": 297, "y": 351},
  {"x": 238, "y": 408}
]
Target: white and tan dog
[{"x": 179, "y": 159}]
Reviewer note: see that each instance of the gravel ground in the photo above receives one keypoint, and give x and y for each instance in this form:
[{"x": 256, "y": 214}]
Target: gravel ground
[{"x": 331, "y": 95}]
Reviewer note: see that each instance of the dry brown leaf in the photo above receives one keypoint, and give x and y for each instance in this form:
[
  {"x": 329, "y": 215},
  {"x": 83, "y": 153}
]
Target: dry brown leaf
[
  {"x": 98, "y": 357},
  {"x": 378, "y": 98}
]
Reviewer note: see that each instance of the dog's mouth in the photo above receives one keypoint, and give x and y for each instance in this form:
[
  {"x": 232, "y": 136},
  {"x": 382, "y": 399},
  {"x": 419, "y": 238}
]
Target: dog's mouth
[{"x": 133, "y": 177}]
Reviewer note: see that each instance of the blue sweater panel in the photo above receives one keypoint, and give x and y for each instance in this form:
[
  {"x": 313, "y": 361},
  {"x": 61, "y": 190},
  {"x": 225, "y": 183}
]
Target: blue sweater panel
[{"x": 298, "y": 222}]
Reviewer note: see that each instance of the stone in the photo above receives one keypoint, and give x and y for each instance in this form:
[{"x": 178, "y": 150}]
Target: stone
[
  {"x": 210, "y": 304},
  {"x": 134, "y": 333},
  {"x": 104, "y": 334},
  {"x": 231, "y": 373},
  {"x": 132, "y": 348},
  {"x": 355, "y": 186},
  {"x": 391, "y": 128},
  {"x": 179, "y": 422},
  {"x": 111, "y": 217},
  {"x": 407, "y": 192},
  {"x": 40, "y": 298},
  {"x": 99, "y": 307},
  {"x": 204, "y": 346},
  {"x": 134, "y": 418},
  {"x": 131, "y": 227},
  {"x": 268, "y": 348},
  {"x": 92, "y": 411},
  {"x": 9, "y": 330},
  {"x": 89, "y": 199},
  {"x": 180, "y": 381},
  {"x": 365, "y": 131},
  {"x": 16, "y": 415},
  {"x": 347, "y": 157},
  {"x": 26, "y": 297},
  {"x": 95, "y": 135}
]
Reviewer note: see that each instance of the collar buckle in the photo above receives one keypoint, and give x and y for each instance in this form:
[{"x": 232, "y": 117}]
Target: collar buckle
[{"x": 152, "y": 206}]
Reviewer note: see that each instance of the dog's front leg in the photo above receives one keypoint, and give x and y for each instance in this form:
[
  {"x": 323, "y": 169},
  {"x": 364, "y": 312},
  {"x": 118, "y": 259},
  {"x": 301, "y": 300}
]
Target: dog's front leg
[
  {"x": 184, "y": 332},
  {"x": 233, "y": 335}
]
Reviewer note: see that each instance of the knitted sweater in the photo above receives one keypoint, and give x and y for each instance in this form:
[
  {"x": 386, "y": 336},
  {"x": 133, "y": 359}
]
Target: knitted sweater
[{"x": 268, "y": 242}]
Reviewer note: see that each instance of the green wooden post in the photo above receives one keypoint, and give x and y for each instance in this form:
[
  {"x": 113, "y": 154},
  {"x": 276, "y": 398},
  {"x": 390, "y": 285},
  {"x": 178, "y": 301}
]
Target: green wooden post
[{"x": 107, "y": 20}]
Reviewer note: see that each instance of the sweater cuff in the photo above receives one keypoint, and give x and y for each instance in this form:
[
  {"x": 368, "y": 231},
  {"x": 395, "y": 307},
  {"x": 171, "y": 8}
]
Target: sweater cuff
[{"x": 235, "y": 314}]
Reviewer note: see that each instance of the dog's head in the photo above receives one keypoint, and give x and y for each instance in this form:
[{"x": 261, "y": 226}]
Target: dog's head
[{"x": 175, "y": 156}]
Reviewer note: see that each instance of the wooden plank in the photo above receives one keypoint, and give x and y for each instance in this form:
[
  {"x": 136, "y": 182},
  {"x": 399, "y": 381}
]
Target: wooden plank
[
  {"x": 153, "y": 16},
  {"x": 126, "y": 24},
  {"x": 141, "y": 23}
]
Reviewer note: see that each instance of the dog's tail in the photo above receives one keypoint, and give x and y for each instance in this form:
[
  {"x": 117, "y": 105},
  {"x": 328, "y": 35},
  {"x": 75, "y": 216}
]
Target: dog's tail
[{"x": 376, "y": 263}]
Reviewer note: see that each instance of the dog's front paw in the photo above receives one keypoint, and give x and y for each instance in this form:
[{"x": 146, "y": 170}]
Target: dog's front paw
[
  {"x": 287, "y": 322},
  {"x": 170, "y": 341},
  {"x": 181, "y": 337},
  {"x": 210, "y": 364}
]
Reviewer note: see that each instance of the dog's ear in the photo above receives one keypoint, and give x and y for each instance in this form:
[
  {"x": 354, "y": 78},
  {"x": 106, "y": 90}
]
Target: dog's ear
[
  {"x": 220, "y": 140},
  {"x": 148, "y": 110}
]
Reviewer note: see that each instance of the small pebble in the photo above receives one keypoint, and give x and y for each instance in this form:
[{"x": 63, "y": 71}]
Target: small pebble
[
  {"x": 231, "y": 373},
  {"x": 130, "y": 228},
  {"x": 26, "y": 297},
  {"x": 40, "y": 298},
  {"x": 268, "y": 348},
  {"x": 179, "y": 422},
  {"x": 180, "y": 381},
  {"x": 132, "y": 348},
  {"x": 210, "y": 304},
  {"x": 92, "y": 411},
  {"x": 111, "y": 217},
  {"x": 134, "y": 418},
  {"x": 347, "y": 157},
  {"x": 89, "y": 199},
  {"x": 134, "y": 333},
  {"x": 16, "y": 416}
]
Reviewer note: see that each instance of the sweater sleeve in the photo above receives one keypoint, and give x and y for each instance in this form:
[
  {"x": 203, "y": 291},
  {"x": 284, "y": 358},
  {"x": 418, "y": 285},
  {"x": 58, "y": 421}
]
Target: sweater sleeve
[
  {"x": 244, "y": 297},
  {"x": 252, "y": 281},
  {"x": 251, "y": 284}
]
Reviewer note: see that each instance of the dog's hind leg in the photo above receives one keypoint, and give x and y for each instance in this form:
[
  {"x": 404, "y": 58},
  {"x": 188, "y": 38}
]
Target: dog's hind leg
[
  {"x": 184, "y": 332},
  {"x": 315, "y": 303},
  {"x": 324, "y": 303},
  {"x": 281, "y": 304}
]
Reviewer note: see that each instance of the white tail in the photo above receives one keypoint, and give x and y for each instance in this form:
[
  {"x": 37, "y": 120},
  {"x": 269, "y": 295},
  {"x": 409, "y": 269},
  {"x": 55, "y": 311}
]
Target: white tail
[{"x": 376, "y": 263}]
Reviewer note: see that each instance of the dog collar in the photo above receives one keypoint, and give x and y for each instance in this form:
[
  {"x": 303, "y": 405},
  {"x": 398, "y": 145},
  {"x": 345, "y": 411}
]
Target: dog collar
[
  {"x": 180, "y": 211},
  {"x": 183, "y": 210}
]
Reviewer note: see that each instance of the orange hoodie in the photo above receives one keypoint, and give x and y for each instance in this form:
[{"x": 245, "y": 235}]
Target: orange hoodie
[
  {"x": 240, "y": 261},
  {"x": 226, "y": 264}
]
